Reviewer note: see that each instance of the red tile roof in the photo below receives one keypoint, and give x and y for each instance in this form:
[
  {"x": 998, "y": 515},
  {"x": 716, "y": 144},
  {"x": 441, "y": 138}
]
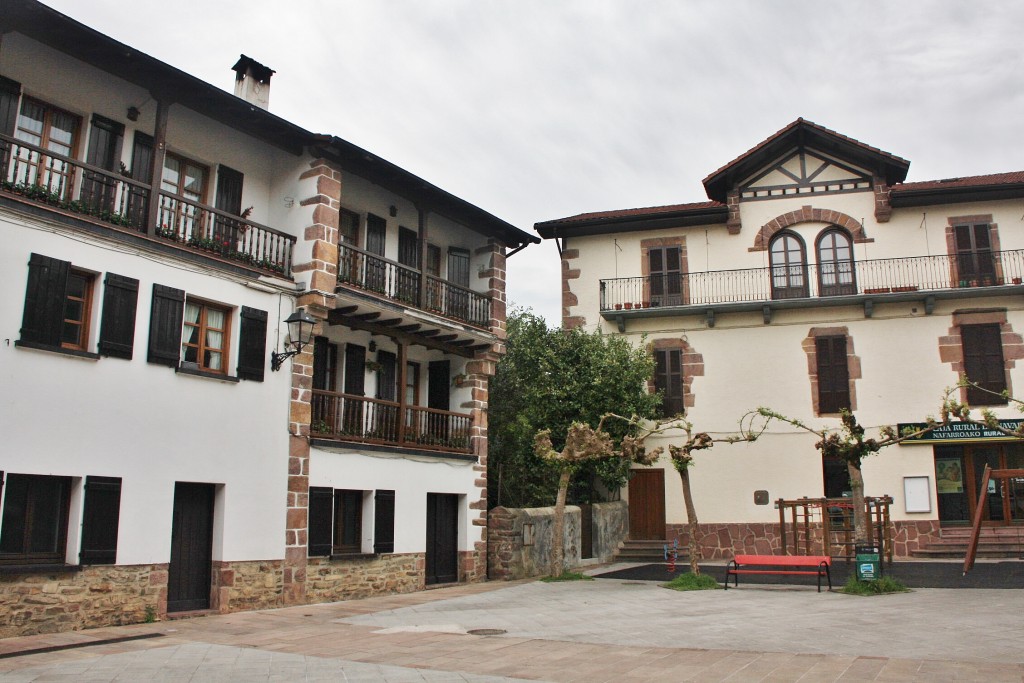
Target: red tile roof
[
  {"x": 628, "y": 213},
  {"x": 1011, "y": 178}
]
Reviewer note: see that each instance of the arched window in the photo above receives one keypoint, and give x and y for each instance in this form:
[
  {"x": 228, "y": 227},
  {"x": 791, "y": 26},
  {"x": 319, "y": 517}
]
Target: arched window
[
  {"x": 835, "y": 264},
  {"x": 789, "y": 266}
]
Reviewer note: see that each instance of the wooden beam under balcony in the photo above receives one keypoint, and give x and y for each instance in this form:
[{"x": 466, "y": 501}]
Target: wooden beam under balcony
[{"x": 429, "y": 338}]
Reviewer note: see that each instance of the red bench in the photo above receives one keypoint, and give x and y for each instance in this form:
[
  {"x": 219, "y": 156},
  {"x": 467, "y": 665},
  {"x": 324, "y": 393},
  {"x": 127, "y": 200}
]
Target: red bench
[{"x": 779, "y": 564}]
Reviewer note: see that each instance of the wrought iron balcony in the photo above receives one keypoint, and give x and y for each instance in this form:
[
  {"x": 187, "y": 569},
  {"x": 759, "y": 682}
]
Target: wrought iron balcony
[
  {"x": 409, "y": 286},
  {"x": 815, "y": 281},
  {"x": 345, "y": 417},
  {"x": 65, "y": 184}
]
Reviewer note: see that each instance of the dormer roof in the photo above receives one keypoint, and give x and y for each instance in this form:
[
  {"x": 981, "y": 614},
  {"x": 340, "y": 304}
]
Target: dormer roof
[{"x": 803, "y": 134}]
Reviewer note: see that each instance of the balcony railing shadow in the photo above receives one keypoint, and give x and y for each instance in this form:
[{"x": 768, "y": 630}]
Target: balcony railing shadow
[{"x": 879, "y": 276}]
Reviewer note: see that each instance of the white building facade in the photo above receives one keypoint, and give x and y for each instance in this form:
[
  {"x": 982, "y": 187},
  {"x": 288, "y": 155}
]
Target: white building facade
[
  {"x": 158, "y": 231},
  {"x": 814, "y": 280}
]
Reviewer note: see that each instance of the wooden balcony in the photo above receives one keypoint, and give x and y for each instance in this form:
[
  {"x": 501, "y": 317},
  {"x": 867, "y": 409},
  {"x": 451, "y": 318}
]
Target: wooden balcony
[
  {"x": 359, "y": 269},
  {"x": 358, "y": 419},
  {"x": 45, "y": 178},
  {"x": 822, "y": 285}
]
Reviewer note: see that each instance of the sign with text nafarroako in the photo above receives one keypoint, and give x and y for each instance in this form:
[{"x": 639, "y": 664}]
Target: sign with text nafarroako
[{"x": 959, "y": 432}]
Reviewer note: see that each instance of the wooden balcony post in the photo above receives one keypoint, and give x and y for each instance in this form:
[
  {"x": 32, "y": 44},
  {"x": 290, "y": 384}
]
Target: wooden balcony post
[
  {"x": 402, "y": 407},
  {"x": 157, "y": 171},
  {"x": 421, "y": 299}
]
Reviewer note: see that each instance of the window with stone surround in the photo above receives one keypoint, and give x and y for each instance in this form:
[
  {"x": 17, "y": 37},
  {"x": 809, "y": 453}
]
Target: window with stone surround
[
  {"x": 982, "y": 346},
  {"x": 833, "y": 368},
  {"x": 664, "y": 266},
  {"x": 36, "y": 511},
  {"x": 675, "y": 366},
  {"x": 983, "y": 364},
  {"x": 973, "y": 242},
  {"x": 336, "y": 521}
]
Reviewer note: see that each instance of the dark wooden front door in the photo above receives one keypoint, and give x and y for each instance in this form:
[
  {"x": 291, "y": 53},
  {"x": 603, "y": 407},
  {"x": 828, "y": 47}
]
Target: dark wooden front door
[
  {"x": 647, "y": 505},
  {"x": 442, "y": 562},
  {"x": 189, "y": 574}
]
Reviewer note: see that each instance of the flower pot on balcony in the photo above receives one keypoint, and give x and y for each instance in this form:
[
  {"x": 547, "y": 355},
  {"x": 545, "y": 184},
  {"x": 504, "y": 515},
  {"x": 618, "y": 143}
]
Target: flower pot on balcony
[
  {"x": 1016, "y": 280},
  {"x": 618, "y": 307},
  {"x": 647, "y": 304},
  {"x": 629, "y": 307}
]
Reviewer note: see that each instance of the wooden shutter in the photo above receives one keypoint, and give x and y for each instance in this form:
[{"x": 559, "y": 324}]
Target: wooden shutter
[
  {"x": 165, "y": 325},
  {"x": 665, "y": 268},
  {"x": 668, "y": 379},
  {"x": 43, "y": 317},
  {"x": 229, "y": 190},
  {"x": 833, "y": 374},
  {"x": 117, "y": 324},
  {"x": 9, "y": 93},
  {"x": 983, "y": 363},
  {"x": 355, "y": 369},
  {"x": 322, "y": 349},
  {"x": 142, "y": 158},
  {"x": 100, "y": 517},
  {"x": 384, "y": 522},
  {"x": 387, "y": 378},
  {"x": 252, "y": 344},
  {"x": 321, "y": 520},
  {"x": 105, "y": 140}
]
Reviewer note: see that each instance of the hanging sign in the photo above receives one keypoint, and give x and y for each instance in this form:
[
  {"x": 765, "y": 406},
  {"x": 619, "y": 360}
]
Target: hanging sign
[{"x": 959, "y": 431}]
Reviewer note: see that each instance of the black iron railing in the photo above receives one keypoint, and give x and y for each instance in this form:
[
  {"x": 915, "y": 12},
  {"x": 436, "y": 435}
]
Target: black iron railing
[
  {"x": 843, "y": 278},
  {"x": 345, "y": 417},
  {"x": 401, "y": 283},
  {"x": 46, "y": 177}
]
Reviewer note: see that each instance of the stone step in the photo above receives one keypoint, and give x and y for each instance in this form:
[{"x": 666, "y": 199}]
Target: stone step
[{"x": 959, "y": 554}]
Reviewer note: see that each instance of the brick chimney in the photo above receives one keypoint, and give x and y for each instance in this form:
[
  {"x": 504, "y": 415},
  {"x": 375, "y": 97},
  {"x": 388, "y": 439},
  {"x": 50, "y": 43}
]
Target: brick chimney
[{"x": 252, "y": 81}]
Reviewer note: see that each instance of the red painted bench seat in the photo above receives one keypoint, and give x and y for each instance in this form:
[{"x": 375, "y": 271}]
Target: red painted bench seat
[{"x": 779, "y": 564}]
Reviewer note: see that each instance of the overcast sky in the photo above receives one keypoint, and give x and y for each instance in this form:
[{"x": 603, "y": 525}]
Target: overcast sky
[{"x": 541, "y": 109}]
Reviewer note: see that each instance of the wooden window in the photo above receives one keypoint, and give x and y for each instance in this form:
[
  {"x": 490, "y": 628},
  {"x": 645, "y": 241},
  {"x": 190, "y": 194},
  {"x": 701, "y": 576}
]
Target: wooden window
[
  {"x": 35, "y": 519},
  {"x": 833, "y": 374},
  {"x": 668, "y": 379},
  {"x": 165, "y": 320},
  {"x": 100, "y": 518},
  {"x": 384, "y": 522},
  {"x": 974, "y": 257},
  {"x": 99, "y": 190},
  {"x": 336, "y": 521},
  {"x": 835, "y": 264},
  {"x": 788, "y": 267},
  {"x": 77, "y": 310},
  {"x": 184, "y": 177},
  {"x": 252, "y": 344},
  {"x": 348, "y": 522},
  {"x": 325, "y": 364},
  {"x": 54, "y": 130},
  {"x": 117, "y": 323},
  {"x": 433, "y": 266},
  {"x": 983, "y": 364},
  {"x": 665, "y": 268},
  {"x": 348, "y": 227},
  {"x": 58, "y": 304},
  {"x": 204, "y": 335}
]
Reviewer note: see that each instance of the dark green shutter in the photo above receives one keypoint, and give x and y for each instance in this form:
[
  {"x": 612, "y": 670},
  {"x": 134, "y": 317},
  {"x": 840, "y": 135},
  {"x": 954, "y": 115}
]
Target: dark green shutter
[
  {"x": 43, "y": 317},
  {"x": 252, "y": 342},
  {"x": 100, "y": 517},
  {"x": 9, "y": 92},
  {"x": 117, "y": 325},
  {"x": 321, "y": 521},
  {"x": 165, "y": 325},
  {"x": 384, "y": 522}
]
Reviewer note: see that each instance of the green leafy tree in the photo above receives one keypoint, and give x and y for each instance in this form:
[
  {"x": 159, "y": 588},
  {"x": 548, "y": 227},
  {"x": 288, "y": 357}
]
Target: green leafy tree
[{"x": 549, "y": 379}]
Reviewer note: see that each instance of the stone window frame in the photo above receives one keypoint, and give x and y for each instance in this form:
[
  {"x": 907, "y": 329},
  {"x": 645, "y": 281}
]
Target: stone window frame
[
  {"x": 952, "y": 222},
  {"x": 951, "y": 345},
  {"x": 853, "y": 365},
  {"x": 691, "y": 366},
  {"x": 645, "y": 264}
]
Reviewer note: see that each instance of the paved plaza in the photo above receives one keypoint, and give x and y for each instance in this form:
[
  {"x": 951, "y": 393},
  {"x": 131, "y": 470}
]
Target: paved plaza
[{"x": 603, "y": 630}]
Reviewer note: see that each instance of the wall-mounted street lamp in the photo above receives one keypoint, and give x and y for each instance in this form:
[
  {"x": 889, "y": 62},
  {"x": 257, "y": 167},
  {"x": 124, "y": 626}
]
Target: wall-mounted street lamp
[{"x": 300, "y": 333}]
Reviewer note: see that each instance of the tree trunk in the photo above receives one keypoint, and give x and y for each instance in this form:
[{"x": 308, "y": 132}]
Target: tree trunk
[
  {"x": 691, "y": 520},
  {"x": 860, "y": 513},
  {"x": 558, "y": 545}
]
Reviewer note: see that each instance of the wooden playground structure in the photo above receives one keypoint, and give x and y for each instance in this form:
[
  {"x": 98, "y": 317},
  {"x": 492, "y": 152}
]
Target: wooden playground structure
[{"x": 824, "y": 526}]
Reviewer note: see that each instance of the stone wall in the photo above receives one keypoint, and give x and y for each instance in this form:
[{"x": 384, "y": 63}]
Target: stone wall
[
  {"x": 611, "y": 527},
  {"x": 329, "y": 580},
  {"x": 723, "y": 541},
  {"x": 68, "y": 601}
]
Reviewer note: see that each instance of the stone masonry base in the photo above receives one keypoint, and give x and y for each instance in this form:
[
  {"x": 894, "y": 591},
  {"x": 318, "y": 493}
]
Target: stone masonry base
[
  {"x": 723, "y": 541},
  {"x": 96, "y": 596}
]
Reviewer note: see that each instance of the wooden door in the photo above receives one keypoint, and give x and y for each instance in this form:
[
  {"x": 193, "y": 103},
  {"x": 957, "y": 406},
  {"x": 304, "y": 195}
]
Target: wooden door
[
  {"x": 438, "y": 397},
  {"x": 442, "y": 561},
  {"x": 227, "y": 232},
  {"x": 355, "y": 385},
  {"x": 189, "y": 574},
  {"x": 647, "y": 505},
  {"x": 376, "y": 269},
  {"x": 408, "y": 255},
  {"x": 99, "y": 191}
]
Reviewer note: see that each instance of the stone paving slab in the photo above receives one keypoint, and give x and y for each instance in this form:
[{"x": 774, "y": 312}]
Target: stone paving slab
[{"x": 581, "y": 631}]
